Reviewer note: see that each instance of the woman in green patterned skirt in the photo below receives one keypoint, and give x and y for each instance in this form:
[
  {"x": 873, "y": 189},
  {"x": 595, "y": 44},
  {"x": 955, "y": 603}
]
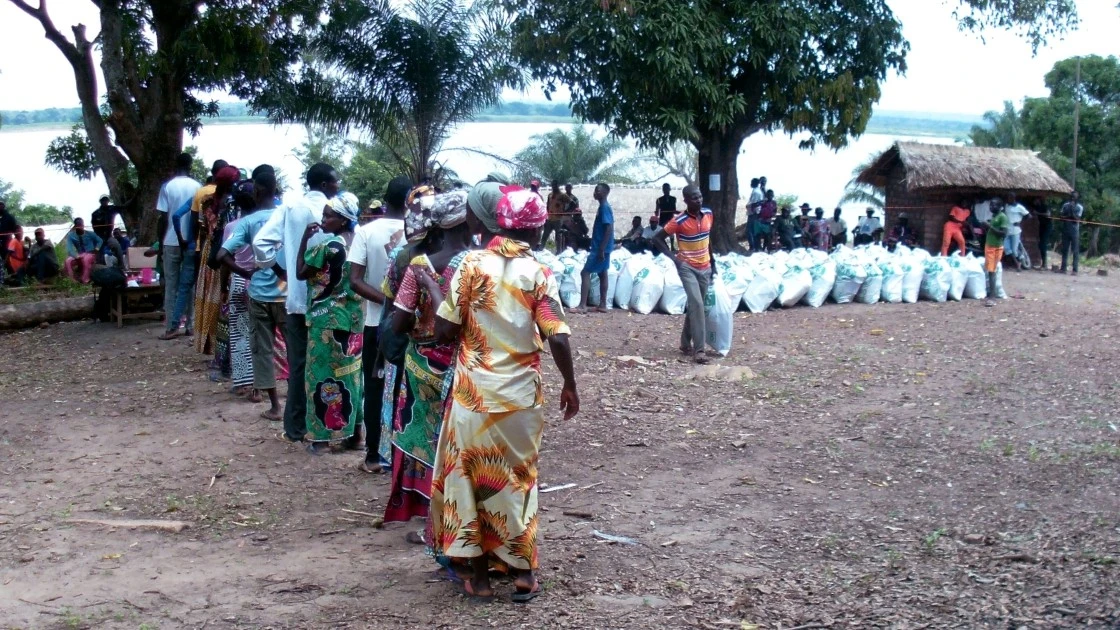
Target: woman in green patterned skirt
[{"x": 334, "y": 320}]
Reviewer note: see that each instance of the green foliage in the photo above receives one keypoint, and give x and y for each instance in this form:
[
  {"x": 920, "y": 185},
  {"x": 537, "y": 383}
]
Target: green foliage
[
  {"x": 37, "y": 214},
  {"x": 404, "y": 73},
  {"x": 574, "y": 157},
  {"x": 1003, "y": 130},
  {"x": 367, "y": 171},
  {"x": 1048, "y": 124},
  {"x": 73, "y": 154},
  {"x": 861, "y": 193},
  {"x": 11, "y": 196},
  {"x": 664, "y": 70}
]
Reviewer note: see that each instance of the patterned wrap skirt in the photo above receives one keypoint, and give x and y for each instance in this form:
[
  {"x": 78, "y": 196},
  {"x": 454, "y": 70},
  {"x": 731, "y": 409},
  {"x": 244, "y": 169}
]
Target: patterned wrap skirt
[
  {"x": 484, "y": 496},
  {"x": 333, "y": 383}
]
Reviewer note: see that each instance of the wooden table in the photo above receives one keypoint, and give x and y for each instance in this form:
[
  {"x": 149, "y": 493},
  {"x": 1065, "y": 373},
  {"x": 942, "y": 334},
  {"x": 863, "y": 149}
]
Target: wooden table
[{"x": 123, "y": 298}]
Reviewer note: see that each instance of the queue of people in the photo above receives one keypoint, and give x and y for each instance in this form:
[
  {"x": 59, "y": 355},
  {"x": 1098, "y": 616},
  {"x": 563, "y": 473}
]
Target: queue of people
[{"x": 416, "y": 335}]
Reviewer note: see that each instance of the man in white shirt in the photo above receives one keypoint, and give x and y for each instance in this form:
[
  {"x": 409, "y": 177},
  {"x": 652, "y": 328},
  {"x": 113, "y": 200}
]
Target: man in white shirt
[
  {"x": 838, "y": 229},
  {"x": 865, "y": 230},
  {"x": 369, "y": 261},
  {"x": 177, "y": 261},
  {"x": 281, "y": 236},
  {"x": 1015, "y": 214}
]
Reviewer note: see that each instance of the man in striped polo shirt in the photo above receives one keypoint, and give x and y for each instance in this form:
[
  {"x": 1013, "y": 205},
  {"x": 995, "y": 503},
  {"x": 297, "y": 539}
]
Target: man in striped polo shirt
[{"x": 694, "y": 264}]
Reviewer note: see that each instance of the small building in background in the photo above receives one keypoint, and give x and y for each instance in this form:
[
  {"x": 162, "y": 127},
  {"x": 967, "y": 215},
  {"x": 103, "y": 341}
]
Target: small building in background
[{"x": 925, "y": 180}]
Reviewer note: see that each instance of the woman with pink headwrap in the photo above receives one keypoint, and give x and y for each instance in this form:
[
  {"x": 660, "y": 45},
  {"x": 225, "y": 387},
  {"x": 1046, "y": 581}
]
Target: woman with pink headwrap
[{"x": 499, "y": 305}]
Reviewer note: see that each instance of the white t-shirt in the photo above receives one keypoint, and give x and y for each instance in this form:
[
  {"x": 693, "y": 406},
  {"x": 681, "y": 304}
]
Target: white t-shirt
[
  {"x": 172, "y": 195},
  {"x": 867, "y": 225},
  {"x": 372, "y": 244},
  {"x": 1016, "y": 213}
]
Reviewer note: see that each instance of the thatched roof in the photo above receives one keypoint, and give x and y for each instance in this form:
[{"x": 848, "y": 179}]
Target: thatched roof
[{"x": 966, "y": 169}]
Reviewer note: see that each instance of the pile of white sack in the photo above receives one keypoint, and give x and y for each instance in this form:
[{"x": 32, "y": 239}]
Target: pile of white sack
[{"x": 867, "y": 274}]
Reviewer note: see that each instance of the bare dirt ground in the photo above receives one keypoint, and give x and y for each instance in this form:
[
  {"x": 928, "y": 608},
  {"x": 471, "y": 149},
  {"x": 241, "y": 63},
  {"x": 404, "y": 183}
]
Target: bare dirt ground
[{"x": 896, "y": 466}]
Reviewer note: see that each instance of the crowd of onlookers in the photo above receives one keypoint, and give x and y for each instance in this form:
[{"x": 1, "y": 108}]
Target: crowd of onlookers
[{"x": 27, "y": 260}]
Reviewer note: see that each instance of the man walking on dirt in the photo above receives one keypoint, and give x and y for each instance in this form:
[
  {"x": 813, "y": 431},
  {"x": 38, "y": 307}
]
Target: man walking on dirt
[
  {"x": 279, "y": 237},
  {"x": 993, "y": 247},
  {"x": 599, "y": 255},
  {"x": 694, "y": 264},
  {"x": 1071, "y": 213}
]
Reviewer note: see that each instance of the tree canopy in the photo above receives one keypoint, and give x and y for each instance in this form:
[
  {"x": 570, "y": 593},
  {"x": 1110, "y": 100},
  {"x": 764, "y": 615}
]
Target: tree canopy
[
  {"x": 156, "y": 59},
  {"x": 714, "y": 72},
  {"x": 404, "y": 73},
  {"x": 575, "y": 156}
]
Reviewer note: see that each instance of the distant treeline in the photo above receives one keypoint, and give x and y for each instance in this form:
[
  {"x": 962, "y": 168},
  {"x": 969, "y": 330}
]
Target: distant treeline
[{"x": 896, "y": 123}]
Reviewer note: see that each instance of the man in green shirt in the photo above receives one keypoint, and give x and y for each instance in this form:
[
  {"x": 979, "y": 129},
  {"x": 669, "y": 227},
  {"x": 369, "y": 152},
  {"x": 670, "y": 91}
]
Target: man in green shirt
[{"x": 993, "y": 245}]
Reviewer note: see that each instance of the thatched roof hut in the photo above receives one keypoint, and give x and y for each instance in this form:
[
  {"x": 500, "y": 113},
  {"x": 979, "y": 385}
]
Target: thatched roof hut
[
  {"x": 966, "y": 170},
  {"x": 924, "y": 181}
]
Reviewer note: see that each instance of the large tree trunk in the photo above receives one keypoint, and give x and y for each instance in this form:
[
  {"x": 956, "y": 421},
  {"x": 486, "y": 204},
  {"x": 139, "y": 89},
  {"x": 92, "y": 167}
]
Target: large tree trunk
[{"x": 719, "y": 155}]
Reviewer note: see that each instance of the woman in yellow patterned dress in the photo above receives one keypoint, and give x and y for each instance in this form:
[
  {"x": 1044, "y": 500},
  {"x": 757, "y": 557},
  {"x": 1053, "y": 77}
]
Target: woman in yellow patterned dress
[{"x": 499, "y": 305}]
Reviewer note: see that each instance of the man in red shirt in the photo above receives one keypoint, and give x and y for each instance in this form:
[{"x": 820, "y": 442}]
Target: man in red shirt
[{"x": 694, "y": 264}]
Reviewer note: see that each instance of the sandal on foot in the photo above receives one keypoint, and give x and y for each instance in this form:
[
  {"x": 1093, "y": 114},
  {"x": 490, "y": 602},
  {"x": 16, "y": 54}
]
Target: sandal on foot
[
  {"x": 284, "y": 437},
  {"x": 414, "y": 538},
  {"x": 449, "y": 574},
  {"x": 169, "y": 335},
  {"x": 520, "y": 597},
  {"x": 700, "y": 359},
  {"x": 271, "y": 417}
]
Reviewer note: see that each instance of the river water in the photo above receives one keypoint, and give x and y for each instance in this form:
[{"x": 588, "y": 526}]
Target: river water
[{"x": 817, "y": 177}]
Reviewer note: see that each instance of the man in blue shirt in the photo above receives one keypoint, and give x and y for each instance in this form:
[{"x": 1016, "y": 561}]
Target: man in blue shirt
[
  {"x": 267, "y": 291},
  {"x": 599, "y": 256},
  {"x": 81, "y": 252}
]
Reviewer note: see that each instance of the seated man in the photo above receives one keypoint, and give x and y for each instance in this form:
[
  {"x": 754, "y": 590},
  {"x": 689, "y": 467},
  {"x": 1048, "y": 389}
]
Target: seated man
[
  {"x": 16, "y": 261},
  {"x": 41, "y": 257},
  {"x": 81, "y": 252},
  {"x": 633, "y": 239},
  {"x": 649, "y": 233},
  {"x": 576, "y": 233},
  {"x": 902, "y": 233}
]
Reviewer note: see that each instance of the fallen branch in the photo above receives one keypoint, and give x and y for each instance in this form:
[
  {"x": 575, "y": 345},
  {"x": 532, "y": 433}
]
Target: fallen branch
[
  {"x": 167, "y": 526},
  {"x": 378, "y": 522},
  {"x": 579, "y": 514}
]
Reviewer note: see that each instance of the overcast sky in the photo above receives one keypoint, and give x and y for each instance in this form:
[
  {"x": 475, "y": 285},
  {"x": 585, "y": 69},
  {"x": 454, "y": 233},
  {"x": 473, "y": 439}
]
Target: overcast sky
[{"x": 949, "y": 71}]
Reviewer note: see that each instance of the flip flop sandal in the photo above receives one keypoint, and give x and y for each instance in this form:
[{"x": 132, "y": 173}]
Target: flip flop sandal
[
  {"x": 414, "y": 538},
  {"x": 521, "y": 597},
  {"x": 283, "y": 437}
]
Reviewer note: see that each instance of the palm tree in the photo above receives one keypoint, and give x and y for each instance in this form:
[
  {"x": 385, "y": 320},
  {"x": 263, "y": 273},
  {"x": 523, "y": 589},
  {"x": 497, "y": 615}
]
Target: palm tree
[
  {"x": 574, "y": 157},
  {"x": 403, "y": 72},
  {"x": 1004, "y": 129},
  {"x": 862, "y": 193}
]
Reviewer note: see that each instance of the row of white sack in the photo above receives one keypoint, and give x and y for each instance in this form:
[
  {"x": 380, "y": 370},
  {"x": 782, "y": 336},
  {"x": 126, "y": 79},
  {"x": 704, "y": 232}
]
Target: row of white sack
[{"x": 643, "y": 283}]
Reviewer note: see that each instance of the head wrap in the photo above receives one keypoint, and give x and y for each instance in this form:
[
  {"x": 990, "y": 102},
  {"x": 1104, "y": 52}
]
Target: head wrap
[
  {"x": 418, "y": 193},
  {"x": 345, "y": 204},
  {"x": 483, "y": 200},
  {"x": 243, "y": 194},
  {"x": 416, "y": 225},
  {"x": 449, "y": 209},
  {"x": 521, "y": 210},
  {"x": 226, "y": 176},
  {"x": 497, "y": 177}
]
